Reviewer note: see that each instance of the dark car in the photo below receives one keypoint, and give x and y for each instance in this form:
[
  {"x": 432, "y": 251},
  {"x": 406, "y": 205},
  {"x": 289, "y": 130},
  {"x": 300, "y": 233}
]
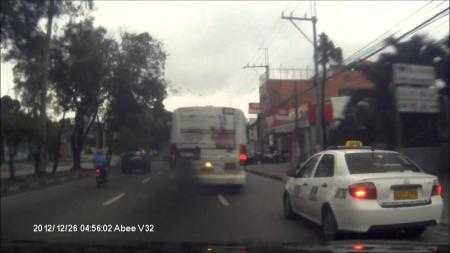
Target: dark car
[{"x": 135, "y": 160}]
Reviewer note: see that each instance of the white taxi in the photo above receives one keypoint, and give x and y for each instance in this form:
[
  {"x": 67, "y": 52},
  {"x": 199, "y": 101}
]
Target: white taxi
[{"x": 360, "y": 189}]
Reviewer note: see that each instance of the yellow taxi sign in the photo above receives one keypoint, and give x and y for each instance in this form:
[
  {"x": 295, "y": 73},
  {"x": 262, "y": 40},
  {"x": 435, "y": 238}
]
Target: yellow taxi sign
[{"x": 353, "y": 144}]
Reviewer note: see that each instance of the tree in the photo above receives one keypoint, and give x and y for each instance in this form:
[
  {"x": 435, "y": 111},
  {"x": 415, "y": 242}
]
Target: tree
[
  {"x": 138, "y": 88},
  {"x": 327, "y": 54},
  {"x": 17, "y": 128},
  {"x": 82, "y": 65},
  {"x": 418, "y": 129},
  {"x": 30, "y": 47}
]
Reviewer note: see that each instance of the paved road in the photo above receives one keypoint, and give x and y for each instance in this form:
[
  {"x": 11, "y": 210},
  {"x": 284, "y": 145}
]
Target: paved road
[{"x": 179, "y": 211}]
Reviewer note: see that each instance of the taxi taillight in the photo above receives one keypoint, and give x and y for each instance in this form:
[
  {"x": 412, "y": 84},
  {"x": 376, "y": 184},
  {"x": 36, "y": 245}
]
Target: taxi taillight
[
  {"x": 363, "y": 190},
  {"x": 437, "y": 190}
]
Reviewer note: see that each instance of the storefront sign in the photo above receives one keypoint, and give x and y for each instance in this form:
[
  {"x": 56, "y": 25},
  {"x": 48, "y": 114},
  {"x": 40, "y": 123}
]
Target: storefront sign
[{"x": 254, "y": 108}]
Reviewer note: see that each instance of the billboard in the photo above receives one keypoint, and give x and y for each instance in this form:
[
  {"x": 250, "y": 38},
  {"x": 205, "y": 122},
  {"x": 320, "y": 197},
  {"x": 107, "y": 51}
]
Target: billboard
[
  {"x": 411, "y": 74},
  {"x": 254, "y": 108},
  {"x": 412, "y": 88},
  {"x": 417, "y": 99}
]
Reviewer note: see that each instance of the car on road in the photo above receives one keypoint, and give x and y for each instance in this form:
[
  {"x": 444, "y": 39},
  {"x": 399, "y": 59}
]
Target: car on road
[
  {"x": 135, "y": 160},
  {"x": 361, "y": 189},
  {"x": 211, "y": 142}
]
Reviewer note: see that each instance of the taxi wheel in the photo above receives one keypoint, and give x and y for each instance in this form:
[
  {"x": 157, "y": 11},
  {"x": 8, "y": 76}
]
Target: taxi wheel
[
  {"x": 329, "y": 226},
  {"x": 287, "y": 208}
]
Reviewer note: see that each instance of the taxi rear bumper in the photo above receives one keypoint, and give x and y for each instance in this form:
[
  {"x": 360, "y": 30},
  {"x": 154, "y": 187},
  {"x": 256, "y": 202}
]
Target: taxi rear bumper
[{"x": 365, "y": 215}]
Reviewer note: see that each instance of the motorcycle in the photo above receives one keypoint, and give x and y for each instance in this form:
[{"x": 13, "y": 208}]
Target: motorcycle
[{"x": 100, "y": 176}]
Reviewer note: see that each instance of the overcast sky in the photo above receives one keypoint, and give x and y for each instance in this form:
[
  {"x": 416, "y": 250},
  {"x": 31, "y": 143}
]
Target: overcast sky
[{"x": 209, "y": 42}]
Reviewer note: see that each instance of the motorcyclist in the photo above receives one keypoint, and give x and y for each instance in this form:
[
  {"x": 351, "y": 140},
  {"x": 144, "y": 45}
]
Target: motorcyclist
[{"x": 100, "y": 161}]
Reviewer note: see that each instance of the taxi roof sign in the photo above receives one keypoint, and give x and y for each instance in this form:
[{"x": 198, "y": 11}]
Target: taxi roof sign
[{"x": 353, "y": 144}]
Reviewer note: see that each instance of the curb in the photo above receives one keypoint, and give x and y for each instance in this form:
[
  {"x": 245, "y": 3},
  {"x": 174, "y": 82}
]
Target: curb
[{"x": 274, "y": 177}]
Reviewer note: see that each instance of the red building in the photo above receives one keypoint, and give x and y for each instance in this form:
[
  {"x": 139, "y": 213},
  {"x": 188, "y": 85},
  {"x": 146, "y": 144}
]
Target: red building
[{"x": 278, "y": 115}]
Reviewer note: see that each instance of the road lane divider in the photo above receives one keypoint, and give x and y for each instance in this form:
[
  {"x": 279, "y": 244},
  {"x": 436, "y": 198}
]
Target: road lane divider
[
  {"x": 146, "y": 180},
  {"x": 114, "y": 199},
  {"x": 223, "y": 200}
]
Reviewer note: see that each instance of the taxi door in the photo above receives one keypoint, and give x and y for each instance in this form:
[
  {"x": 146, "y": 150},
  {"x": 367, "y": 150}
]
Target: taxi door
[
  {"x": 321, "y": 186},
  {"x": 302, "y": 185}
]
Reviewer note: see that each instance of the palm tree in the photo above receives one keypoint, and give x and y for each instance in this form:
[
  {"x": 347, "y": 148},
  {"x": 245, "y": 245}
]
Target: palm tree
[
  {"x": 327, "y": 54},
  {"x": 417, "y": 50}
]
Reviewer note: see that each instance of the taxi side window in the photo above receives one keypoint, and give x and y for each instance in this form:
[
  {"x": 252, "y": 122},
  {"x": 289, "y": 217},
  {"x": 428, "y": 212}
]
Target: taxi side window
[
  {"x": 326, "y": 166},
  {"x": 307, "y": 169}
]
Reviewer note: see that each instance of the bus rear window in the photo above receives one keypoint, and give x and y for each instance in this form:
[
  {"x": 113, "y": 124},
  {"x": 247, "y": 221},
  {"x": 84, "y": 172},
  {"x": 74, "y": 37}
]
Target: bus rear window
[
  {"x": 208, "y": 130},
  {"x": 377, "y": 162}
]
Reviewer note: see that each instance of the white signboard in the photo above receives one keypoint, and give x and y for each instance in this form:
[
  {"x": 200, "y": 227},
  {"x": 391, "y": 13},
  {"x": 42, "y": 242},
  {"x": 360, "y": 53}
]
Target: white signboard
[
  {"x": 410, "y": 99},
  {"x": 254, "y": 108},
  {"x": 302, "y": 112},
  {"x": 413, "y": 74}
]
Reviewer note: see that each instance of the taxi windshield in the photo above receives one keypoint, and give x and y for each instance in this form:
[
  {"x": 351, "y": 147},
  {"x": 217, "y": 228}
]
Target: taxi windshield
[{"x": 378, "y": 162}]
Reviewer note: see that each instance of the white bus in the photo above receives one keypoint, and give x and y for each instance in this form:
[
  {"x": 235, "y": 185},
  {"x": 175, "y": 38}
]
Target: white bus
[{"x": 212, "y": 142}]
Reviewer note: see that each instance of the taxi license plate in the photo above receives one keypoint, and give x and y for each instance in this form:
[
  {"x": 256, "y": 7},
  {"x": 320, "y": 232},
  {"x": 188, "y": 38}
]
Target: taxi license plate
[{"x": 405, "y": 194}]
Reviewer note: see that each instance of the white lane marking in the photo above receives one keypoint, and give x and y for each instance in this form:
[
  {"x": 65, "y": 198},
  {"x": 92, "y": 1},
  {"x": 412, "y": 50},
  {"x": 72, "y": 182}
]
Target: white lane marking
[
  {"x": 223, "y": 200},
  {"x": 146, "y": 180},
  {"x": 110, "y": 201},
  {"x": 438, "y": 231}
]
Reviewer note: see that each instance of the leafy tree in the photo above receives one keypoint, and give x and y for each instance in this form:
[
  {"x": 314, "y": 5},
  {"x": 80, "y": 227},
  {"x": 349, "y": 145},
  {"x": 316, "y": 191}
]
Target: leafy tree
[
  {"x": 138, "y": 88},
  {"x": 17, "y": 128},
  {"x": 327, "y": 54},
  {"x": 82, "y": 65},
  {"x": 29, "y": 47}
]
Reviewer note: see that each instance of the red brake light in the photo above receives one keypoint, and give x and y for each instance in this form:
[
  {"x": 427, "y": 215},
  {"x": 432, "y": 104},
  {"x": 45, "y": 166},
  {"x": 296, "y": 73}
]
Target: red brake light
[
  {"x": 243, "y": 155},
  {"x": 243, "y": 149},
  {"x": 360, "y": 193},
  {"x": 98, "y": 170},
  {"x": 437, "y": 190},
  {"x": 357, "y": 247},
  {"x": 363, "y": 191}
]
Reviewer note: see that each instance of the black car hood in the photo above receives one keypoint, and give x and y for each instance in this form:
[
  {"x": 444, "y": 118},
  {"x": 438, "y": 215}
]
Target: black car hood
[{"x": 337, "y": 246}]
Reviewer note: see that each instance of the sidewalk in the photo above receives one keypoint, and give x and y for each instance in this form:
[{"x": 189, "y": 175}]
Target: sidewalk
[
  {"x": 30, "y": 181},
  {"x": 277, "y": 171},
  {"x": 25, "y": 168}
]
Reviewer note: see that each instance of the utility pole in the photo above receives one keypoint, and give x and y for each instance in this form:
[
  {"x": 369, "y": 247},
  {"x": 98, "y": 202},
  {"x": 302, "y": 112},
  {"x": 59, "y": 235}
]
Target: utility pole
[
  {"x": 43, "y": 96},
  {"x": 266, "y": 67},
  {"x": 319, "y": 103}
]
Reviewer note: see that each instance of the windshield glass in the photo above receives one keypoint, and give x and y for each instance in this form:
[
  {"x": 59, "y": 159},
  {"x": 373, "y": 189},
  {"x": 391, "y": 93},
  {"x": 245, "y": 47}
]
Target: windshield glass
[
  {"x": 200, "y": 128},
  {"x": 376, "y": 162}
]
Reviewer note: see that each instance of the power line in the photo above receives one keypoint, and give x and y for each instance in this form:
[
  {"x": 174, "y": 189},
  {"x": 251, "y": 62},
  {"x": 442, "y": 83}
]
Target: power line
[
  {"x": 381, "y": 42},
  {"x": 270, "y": 39},
  {"x": 351, "y": 65},
  {"x": 437, "y": 26},
  {"x": 386, "y": 32}
]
